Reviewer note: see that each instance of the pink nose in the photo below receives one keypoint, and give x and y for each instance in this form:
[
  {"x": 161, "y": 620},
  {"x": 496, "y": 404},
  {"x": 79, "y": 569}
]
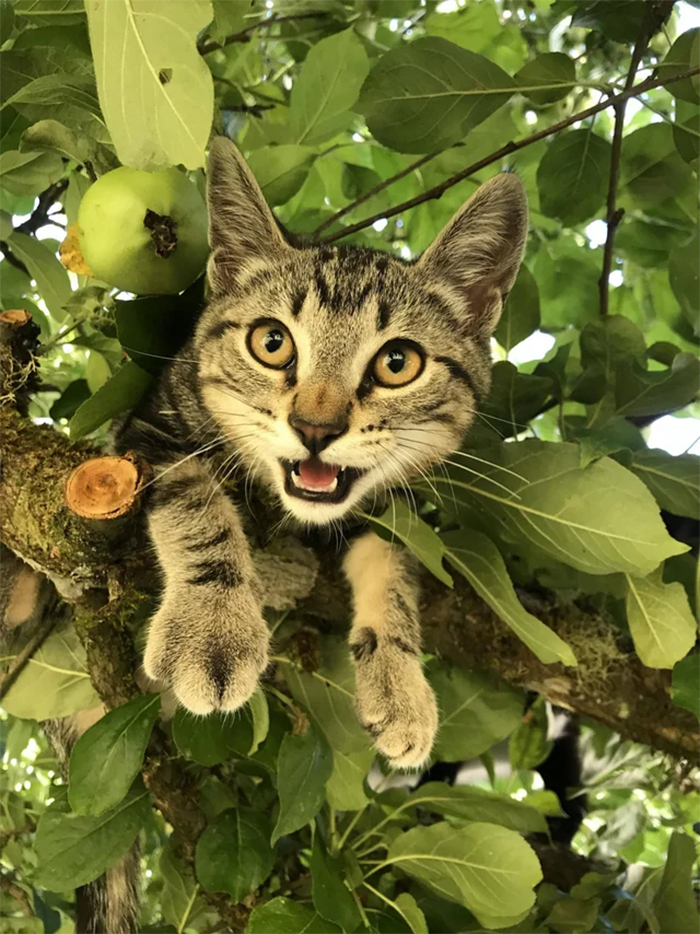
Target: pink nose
[{"x": 316, "y": 437}]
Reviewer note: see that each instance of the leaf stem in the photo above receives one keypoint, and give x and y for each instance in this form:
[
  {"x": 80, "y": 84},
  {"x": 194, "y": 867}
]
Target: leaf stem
[
  {"x": 348, "y": 830},
  {"x": 513, "y": 146}
]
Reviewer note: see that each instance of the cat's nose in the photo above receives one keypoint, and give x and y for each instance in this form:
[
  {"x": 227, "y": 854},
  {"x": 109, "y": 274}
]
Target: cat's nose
[{"x": 314, "y": 437}]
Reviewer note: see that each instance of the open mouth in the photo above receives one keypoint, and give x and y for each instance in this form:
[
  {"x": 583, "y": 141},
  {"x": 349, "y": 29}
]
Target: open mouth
[{"x": 318, "y": 482}]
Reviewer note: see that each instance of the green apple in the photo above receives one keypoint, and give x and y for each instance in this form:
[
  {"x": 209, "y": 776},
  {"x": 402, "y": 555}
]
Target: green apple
[{"x": 144, "y": 232}]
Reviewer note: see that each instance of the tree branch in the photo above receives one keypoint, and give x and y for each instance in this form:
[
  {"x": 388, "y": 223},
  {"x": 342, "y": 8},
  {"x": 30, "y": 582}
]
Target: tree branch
[
  {"x": 11, "y": 258},
  {"x": 245, "y": 34},
  {"x": 513, "y": 146},
  {"x": 40, "y": 215},
  {"x": 613, "y": 214}
]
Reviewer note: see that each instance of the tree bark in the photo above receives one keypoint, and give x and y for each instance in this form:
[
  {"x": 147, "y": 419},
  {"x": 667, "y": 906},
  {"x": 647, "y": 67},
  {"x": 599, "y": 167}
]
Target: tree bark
[{"x": 107, "y": 578}]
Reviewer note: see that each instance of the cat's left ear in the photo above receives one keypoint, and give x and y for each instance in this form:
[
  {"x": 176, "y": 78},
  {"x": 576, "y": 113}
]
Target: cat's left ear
[{"x": 478, "y": 254}]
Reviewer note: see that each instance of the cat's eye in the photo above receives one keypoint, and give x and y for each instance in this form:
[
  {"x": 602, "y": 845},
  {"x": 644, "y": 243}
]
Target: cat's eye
[
  {"x": 271, "y": 344},
  {"x": 397, "y": 364}
]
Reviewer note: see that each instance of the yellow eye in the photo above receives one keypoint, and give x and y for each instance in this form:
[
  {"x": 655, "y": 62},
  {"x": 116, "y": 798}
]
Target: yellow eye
[
  {"x": 271, "y": 344},
  {"x": 397, "y": 363}
]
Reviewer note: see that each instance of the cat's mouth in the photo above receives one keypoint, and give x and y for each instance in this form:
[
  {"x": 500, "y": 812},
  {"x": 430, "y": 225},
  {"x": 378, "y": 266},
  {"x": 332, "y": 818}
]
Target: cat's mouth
[{"x": 318, "y": 482}]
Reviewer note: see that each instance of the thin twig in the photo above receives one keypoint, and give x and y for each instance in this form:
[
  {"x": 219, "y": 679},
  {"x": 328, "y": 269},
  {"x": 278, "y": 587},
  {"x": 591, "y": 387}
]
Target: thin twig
[
  {"x": 245, "y": 34},
  {"x": 18, "y": 893},
  {"x": 11, "y": 258},
  {"x": 22, "y": 659},
  {"x": 40, "y": 215},
  {"x": 647, "y": 85},
  {"x": 613, "y": 214}
]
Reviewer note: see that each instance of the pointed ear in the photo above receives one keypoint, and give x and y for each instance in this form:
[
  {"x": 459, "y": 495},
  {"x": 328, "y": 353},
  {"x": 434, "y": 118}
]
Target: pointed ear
[
  {"x": 478, "y": 253},
  {"x": 243, "y": 232}
]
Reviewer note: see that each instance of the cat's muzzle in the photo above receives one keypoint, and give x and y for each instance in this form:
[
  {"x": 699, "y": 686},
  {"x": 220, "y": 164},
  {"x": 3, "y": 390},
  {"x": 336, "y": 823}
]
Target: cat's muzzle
[{"x": 317, "y": 482}]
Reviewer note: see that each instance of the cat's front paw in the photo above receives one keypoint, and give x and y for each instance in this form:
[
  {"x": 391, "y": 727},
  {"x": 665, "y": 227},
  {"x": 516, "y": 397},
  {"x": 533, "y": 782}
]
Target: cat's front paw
[
  {"x": 211, "y": 653},
  {"x": 395, "y": 703}
]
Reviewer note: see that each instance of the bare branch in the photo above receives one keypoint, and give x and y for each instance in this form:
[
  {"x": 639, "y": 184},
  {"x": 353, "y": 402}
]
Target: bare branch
[
  {"x": 513, "y": 146},
  {"x": 245, "y": 34}
]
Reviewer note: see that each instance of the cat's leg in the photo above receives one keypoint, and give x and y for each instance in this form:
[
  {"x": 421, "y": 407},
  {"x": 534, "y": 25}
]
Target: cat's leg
[
  {"x": 208, "y": 639},
  {"x": 395, "y": 703}
]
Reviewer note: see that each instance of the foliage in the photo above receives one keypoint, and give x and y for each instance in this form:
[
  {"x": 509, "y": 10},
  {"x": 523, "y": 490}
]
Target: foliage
[{"x": 332, "y": 103}]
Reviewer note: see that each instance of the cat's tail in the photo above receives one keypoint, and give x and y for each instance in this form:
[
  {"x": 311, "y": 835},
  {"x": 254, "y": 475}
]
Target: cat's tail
[{"x": 109, "y": 905}]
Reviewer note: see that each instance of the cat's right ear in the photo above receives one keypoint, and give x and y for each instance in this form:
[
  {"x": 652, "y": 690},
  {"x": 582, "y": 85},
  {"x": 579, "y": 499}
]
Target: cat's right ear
[{"x": 243, "y": 233}]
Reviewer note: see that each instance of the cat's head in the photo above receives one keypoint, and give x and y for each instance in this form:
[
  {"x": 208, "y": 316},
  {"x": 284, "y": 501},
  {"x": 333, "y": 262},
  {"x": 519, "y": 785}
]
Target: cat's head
[{"x": 339, "y": 371}]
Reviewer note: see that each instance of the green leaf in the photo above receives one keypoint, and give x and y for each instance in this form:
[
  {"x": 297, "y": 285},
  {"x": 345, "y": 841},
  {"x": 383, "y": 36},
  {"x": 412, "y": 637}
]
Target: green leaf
[
  {"x": 660, "y": 620},
  {"x": 51, "y": 278},
  {"x": 476, "y": 711},
  {"x": 345, "y": 789},
  {"x": 407, "y": 907},
  {"x": 327, "y": 87},
  {"x": 672, "y": 480},
  {"x": 477, "y": 804},
  {"x": 682, "y": 56},
  {"x": 73, "y": 849},
  {"x": 566, "y": 277},
  {"x": 328, "y": 693},
  {"x": 428, "y": 94},
  {"x": 234, "y": 853},
  {"x": 553, "y": 72},
  {"x": 528, "y": 745},
  {"x": 178, "y": 899},
  {"x": 331, "y": 897},
  {"x": 402, "y": 523},
  {"x": 284, "y": 916},
  {"x": 29, "y": 173},
  {"x": 55, "y": 682},
  {"x": 615, "y": 19},
  {"x": 119, "y": 394},
  {"x": 684, "y": 276},
  {"x": 215, "y": 738},
  {"x": 675, "y": 904},
  {"x": 650, "y": 168},
  {"x": 521, "y": 314},
  {"x": 48, "y": 12},
  {"x": 472, "y": 27},
  {"x": 574, "y": 915},
  {"x": 159, "y": 102},
  {"x": 514, "y": 399},
  {"x": 684, "y": 690},
  {"x": 488, "y": 869},
  {"x": 572, "y": 178},
  {"x": 598, "y": 520},
  {"x": 642, "y": 392},
  {"x": 685, "y": 132},
  {"x": 281, "y": 170},
  {"x": 477, "y": 558},
  {"x": 260, "y": 715},
  {"x": 50, "y": 136},
  {"x": 108, "y": 757},
  {"x": 304, "y": 766}
]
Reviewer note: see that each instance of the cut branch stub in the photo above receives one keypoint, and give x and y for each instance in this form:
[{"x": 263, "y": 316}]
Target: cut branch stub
[{"x": 106, "y": 488}]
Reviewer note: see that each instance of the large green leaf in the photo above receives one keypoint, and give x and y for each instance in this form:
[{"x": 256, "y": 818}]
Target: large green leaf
[
  {"x": 615, "y": 19},
  {"x": 284, "y": 916},
  {"x": 477, "y": 804},
  {"x": 476, "y": 711},
  {"x": 686, "y": 677},
  {"x": 486, "y": 868},
  {"x": 572, "y": 178},
  {"x": 304, "y": 766},
  {"x": 684, "y": 276},
  {"x": 159, "y": 101},
  {"x": 179, "y": 900},
  {"x": 30, "y": 171},
  {"x": 46, "y": 12},
  {"x": 599, "y": 520},
  {"x": 215, "y": 738},
  {"x": 234, "y": 853},
  {"x": 345, "y": 788},
  {"x": 428, "y": 94},
  {"x": 514, "y": 399},
  {"x": 107, "y": 758},
  {"x": 477, "y": 558},
  {"x": 682, "y": 56},
  {"x": 281, "y": 170},
  {"x": 675, "y": 904},
  {"x": 400, "y": 522},
  {"x": 660, "y": 620},
  {"x": 674, "y": 481},
  {"x": 55, "y": 682},
  {"x": 51, "y": 278},
  {"x": 73, "y": 849},
  {"x": 327, "y": 87},
  {"x": 119, "y": 394},
  {"x": 521, "y": 314},
  {"x": 552, "y": 74},
  {"x": 472, "y": 27},
  {"x": 328, "y": 693},
  {"x": 566, "y": 277},
  {"x": 331, "y": 897},
  {"x": 651, "y": 169},
  {"x": 650, "y": 392}
]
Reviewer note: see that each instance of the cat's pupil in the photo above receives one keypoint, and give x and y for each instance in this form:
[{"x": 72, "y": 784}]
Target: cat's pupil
[
  {"x": 273, "y": 341},
  {"x": 396, "y": 361}
]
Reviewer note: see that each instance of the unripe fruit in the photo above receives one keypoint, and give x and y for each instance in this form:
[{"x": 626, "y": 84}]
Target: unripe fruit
[{"x": 144, "y": 232}]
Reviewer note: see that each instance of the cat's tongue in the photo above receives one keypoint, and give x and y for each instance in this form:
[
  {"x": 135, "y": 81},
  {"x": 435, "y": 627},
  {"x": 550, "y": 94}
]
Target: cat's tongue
[{"x": 315, "y": 475}]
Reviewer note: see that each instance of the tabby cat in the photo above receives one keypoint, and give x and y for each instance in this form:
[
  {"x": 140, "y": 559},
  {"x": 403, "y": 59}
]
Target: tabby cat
[{"x": 330, "y": 373}]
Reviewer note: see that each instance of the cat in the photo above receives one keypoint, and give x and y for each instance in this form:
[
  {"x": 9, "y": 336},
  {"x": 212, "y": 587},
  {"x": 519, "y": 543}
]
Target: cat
[{"x": 330, "y": 373}]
